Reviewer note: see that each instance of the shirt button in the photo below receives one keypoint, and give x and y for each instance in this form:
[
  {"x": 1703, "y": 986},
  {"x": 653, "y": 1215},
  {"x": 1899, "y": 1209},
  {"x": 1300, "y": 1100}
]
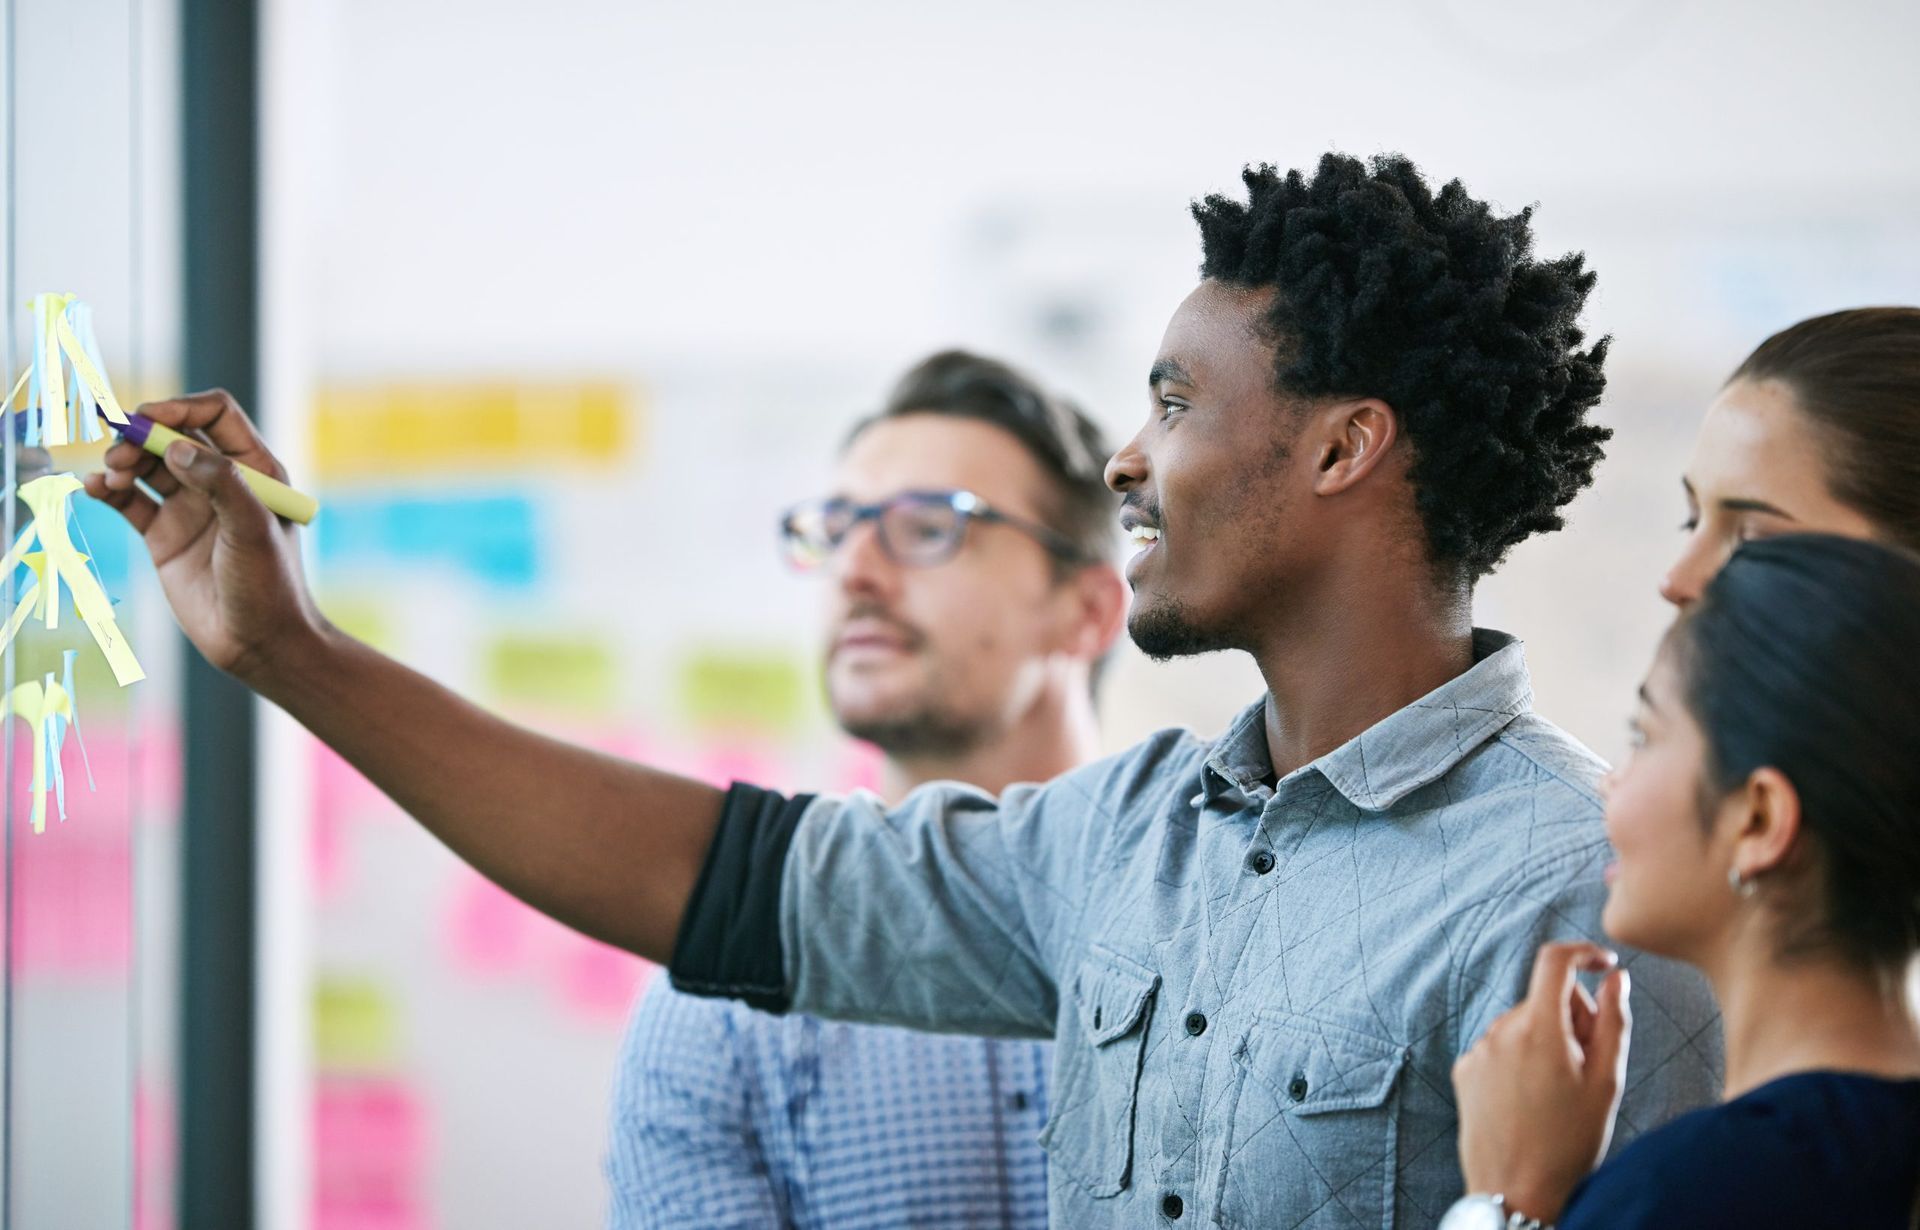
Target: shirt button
[
  {"x": 1196, "y": 1024},
  {"x": 1261, "y": 862},
  {"x": 1172, "y": 1206},
  {"x": 1298, "y": 1089},
  {"x": 1019, "y": 1099}
]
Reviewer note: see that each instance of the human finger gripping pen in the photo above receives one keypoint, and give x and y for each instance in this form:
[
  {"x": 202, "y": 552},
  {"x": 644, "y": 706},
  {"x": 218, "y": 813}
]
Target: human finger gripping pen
[{"x": 282, "y": 499}]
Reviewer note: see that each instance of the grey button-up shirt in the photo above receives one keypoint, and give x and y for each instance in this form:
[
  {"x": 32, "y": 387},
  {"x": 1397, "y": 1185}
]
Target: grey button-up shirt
[{"x": 1257, "y": 993}]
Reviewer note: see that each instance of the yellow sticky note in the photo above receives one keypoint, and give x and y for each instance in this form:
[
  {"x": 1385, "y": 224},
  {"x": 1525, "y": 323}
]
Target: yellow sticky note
[
  {"x": 47, "y": 498},
  {"x": 37, "y": 705},
  {"x": 46, "y": 588},
  {"x": 461, "y": 427},
  {"x": 28, "y": 602},
  {"x": 53, "y": 389},
  {"x": 83, "y": 367},
  {"x": 17, "y": 555}
]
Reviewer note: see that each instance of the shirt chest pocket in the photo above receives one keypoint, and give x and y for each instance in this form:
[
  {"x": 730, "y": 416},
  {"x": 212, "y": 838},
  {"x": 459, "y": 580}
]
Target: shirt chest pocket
[
  {"x": 1313, "y": 1137},
  {"x": 1096, "y": 1085}
]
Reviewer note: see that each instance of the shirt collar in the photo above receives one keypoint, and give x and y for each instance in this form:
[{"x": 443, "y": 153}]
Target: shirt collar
[{"x": 1403, "y": 751}]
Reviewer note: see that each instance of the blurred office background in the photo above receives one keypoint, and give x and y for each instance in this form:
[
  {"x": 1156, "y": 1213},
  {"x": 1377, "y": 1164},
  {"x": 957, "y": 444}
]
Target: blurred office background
[{"x": 556, "y": 306}]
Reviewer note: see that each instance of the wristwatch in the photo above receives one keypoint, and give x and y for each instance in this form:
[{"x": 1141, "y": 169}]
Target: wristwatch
[{"x": 1483, "y": 1212}]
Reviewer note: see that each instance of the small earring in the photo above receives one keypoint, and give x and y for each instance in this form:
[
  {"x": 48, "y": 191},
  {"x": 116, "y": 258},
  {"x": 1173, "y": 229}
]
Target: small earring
[{"x": 1739, "y": 883}]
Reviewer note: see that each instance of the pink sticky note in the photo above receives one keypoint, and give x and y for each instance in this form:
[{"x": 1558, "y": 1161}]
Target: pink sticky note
[
  {"x": 492, "y": 935},
  {"x": 153, "y": 1157},
  {"x": 488, "y": 931},
  {"x": 341, "y": 799},
  {"x": 600, "y": 982},
  {"x": 72, "y": 901},
  {"x": 326, "y": 841},
  {"x": 722, "y": 766},
  {"x": 370, "y": 1155},
  {"x": 628, "y": 744},
  {"x": 338, "y": 788},
  {"x": 157, "y": 765},
  {"x": 859, "y": 768}
]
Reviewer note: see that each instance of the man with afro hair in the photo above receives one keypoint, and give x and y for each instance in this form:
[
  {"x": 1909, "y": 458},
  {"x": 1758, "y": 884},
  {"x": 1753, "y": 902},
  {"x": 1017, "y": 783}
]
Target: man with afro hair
[{"x": 1259, "y": 955}]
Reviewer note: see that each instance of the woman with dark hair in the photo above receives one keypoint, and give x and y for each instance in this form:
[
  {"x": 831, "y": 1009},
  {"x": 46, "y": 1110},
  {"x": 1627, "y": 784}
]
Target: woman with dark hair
[
  {"x": 1818, "y": 431},
  {"x": 1767, "y": 826}
]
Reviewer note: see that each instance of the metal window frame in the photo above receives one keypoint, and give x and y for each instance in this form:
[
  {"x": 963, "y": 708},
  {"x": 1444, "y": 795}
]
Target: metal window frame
[{"x": 220, "y": 124}]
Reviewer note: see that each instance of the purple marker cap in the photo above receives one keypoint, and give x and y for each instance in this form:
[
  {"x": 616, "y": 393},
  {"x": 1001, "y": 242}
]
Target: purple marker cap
[{"x": 136, "y": 429}]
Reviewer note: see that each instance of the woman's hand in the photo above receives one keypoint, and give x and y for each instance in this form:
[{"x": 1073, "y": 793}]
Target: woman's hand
[{"x": 1538, "y": 1092}]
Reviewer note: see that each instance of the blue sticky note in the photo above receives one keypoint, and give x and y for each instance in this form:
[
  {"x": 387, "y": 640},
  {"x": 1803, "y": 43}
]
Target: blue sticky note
[
  {"x": 496, "y": 538},
  {"x": 103, "y": 534}
]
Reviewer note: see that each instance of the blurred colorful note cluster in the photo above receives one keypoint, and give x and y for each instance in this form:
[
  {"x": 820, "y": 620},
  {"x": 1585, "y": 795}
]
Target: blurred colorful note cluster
[{"x": 480, "y": 531}]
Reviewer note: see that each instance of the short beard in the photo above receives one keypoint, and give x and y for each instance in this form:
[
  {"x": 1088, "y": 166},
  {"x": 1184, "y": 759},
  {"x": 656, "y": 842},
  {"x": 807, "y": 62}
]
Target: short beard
[
  {"x": 927, "y": 732},
  {"x": 1165, "y": 630}
]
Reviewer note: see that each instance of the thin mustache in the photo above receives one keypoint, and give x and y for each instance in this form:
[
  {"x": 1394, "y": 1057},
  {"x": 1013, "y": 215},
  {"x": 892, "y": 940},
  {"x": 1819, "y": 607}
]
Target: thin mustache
[
  {"x": 1148, "y": 511},
  {"x": 914, "y": 637}
]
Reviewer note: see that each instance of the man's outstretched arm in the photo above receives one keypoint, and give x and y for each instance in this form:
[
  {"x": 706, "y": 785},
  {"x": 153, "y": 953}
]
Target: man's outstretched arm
[{"x": 606, "y": 846}]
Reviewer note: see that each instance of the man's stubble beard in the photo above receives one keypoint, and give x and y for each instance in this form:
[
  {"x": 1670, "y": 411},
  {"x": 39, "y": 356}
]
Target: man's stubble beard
[
  {"x": 1165, "y": 629},
  {"x": 922, "y": 732},
  {"x": 920, "y": 726}
]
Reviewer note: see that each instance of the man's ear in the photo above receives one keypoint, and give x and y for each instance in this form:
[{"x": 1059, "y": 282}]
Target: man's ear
[
  {"x": 1100, "y": 600},
  {"x": 1350, "y": 439}
]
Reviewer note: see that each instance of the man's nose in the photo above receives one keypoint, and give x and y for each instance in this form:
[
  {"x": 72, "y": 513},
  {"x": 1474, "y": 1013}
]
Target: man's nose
[
  {"x": 861, "y": 565},
  {"x": 1127, "y": 468}
]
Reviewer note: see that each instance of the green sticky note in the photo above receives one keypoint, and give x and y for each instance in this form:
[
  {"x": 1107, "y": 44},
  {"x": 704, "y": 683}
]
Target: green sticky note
[
  {"x": 363, "y": 619},
  {"x": 575, "y": 674},
  {"x": 743, "y": 688},
  {"x": 354, "y": 1026}
]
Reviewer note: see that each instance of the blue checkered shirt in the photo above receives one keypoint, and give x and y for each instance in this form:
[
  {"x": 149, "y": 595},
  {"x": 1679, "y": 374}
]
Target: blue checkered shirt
[
  {"x": 1257, "y": 990},
  {"x": 727, "y": 1117}
]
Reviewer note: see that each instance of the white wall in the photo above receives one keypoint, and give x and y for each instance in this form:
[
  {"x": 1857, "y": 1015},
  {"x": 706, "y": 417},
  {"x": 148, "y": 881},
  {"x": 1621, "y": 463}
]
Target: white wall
[
  {"x": 698, "y": 180},
  {"x": 685, "y": 190}
]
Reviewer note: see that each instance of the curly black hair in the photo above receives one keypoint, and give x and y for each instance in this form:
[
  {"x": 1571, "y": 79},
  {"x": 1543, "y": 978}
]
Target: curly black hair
[{"x": 1436, "y": 305}]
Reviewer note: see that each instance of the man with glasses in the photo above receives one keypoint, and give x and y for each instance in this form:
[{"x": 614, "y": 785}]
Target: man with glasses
[{"x": 967, "y": 549}]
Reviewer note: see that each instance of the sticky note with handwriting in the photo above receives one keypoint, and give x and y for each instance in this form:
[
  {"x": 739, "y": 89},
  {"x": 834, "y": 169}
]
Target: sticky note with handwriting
[
  {"x": 57, "y": 561},
  {"x": 60, "y": 409}
]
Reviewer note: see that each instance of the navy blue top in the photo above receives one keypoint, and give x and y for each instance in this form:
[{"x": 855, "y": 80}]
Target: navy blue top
[{"x": 1811, "y": 1150}]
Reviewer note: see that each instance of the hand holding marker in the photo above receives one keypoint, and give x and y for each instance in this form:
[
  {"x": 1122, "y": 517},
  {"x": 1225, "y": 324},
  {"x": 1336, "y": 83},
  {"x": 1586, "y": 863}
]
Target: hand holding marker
[
  {"x": 154, "y": 438},
  {"x": 60, "y": 408},
  {"x": 276, "y": 495}
]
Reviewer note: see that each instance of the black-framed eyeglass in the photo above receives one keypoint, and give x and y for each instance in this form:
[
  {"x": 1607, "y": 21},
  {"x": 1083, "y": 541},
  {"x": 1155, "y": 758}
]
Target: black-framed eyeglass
[{"x": 916, "y": 528}]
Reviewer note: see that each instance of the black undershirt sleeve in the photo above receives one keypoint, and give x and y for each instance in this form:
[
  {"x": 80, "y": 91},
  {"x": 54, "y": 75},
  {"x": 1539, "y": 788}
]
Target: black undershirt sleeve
[{"x": 729, "y": 940}]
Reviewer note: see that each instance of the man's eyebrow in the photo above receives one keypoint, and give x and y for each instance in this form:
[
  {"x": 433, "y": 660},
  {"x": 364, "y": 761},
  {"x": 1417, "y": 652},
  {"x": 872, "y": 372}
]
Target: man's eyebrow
[{"x": 1167, "y": 371}]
